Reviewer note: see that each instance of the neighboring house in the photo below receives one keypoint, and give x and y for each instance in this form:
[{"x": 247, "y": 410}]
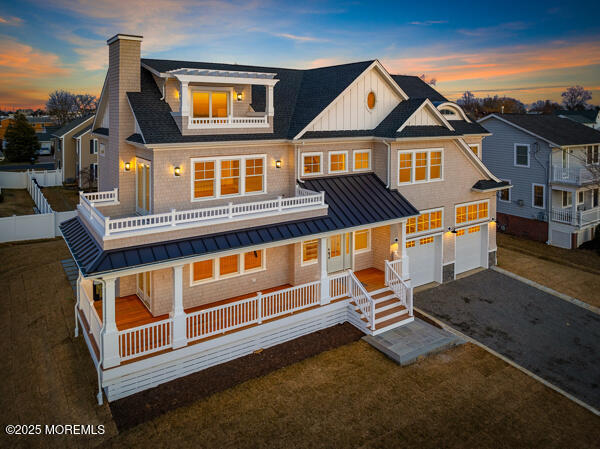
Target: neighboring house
[
  {"x": 41, "y": 125},
  {"x": 66, "y": 155},
  {"x": 587, "y": 117},
  {"x": 242, "y": 206},
  {"x": 553, "y": 165},
  {"x": 86, "y": 148},
  {"x": 46, "y": 139}
]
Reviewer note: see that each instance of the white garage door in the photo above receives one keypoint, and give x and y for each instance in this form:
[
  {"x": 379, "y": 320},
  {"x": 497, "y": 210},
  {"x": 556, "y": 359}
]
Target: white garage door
[
  {"x": 424, "y": 260},
  {"x": 469, "y": 243}
]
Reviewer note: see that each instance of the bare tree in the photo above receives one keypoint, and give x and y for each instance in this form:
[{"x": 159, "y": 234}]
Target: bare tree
[
  {"x": 431, "y": 81},
  {"x": 85, "y": 104},
  {"x": 544, "y": 107},
  {"x": 62, "y": 106},
  {"x": 576, "y": 98},
  {"x": 86, "y": 176},
  {"x": 471, "y": 104}
]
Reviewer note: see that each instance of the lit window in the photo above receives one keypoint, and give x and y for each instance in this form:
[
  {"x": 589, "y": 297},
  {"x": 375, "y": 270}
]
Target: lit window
[
  {"x": 371, "y": 100},
  {"x": 337, "y": 162},
  {"x": 254, "y": 175},
  {"x": 411, "y": 225},
  {"x": 475, "y": 149},
  {"x": 474, "y": 229},
  {"x": 472, "y": 212},
  {"x": 423, "y": 222},
  {"x": 435, "y": 169},
  {"x": 426, "y": 240},
  {"x": 405, "y": 167},
  {"x": 203, "y": 270},
  {"x": 461, "y": 214},
  {"x": 410, "y": 244},
  {"x": 538, "y": 196},
  {"x": 252, "y": 260},
  {"x": 522, "y": 155},
  {"x": 361, "y": 240},
  {"x": 310, "y": 251},
  {"x": 483, "y": 210},
  {"x": 436, "y": 219},
  {"x": 201, "y": 104},
  {"x": 229, "y": 265},
  {"x": 504, "y": 194},
  {"x": 460, "y": 232},
  {"x": 420, "y": 166},
  {"x": 204, "y": 179},
  {"x": 219, "y": 104},
  {"x": 230, "y": 177},
  {"x": 312, "y": 164},
  {"x": 362, "y": 160},
  {"x": 210, "y": 104}
]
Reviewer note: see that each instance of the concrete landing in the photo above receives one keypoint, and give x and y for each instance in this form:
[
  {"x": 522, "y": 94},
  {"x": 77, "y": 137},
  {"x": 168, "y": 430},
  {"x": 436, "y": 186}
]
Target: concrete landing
[{"x": 406, "y": 344}]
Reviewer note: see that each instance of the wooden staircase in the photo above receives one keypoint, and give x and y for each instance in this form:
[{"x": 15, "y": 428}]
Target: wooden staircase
[{"x": 389, "y": 312}]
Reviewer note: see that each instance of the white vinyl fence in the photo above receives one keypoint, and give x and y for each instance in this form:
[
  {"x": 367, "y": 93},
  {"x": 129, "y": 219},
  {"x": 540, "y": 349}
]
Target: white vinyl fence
[
  {"x": 20, "y": 179},
  {"x": 43, "y": 224}
]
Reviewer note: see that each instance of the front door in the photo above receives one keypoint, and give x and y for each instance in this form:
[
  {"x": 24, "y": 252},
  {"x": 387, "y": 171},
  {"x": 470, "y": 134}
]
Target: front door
[
  {"x": 142, "y": 187},
  {"x": 144, "y": 291},
  {"x": 339, "y": 252}
]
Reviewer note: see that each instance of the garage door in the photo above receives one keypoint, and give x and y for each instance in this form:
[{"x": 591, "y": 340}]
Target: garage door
[
  {"x": 469, "y": 243},
  {"x": 424, "y": 260}
]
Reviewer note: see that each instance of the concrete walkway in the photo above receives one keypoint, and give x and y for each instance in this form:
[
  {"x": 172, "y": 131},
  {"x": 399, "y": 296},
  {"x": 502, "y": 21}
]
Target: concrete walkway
[{"x": 406, "y": 344}]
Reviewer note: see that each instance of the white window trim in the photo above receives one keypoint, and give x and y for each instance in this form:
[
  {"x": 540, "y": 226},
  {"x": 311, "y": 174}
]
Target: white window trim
[
  {"x": 364, "y": 250},
  {"x": 533, "y": 186},
  {"x": 95, "y": 146},
  {"x": 228, "y": 90},
  {"x": 354, "y": 153},
  {"x": 241, "y": 270},
  {"x": 332, "y": 153},
  {"x": 478, "y": 146},
  {"x": 313, "y": 261},
  {"x": 217, "y": 180},
  {"x": 509, "y": 193},
  {"x": 582, "y": 192},
  {"x": 469, "y": 223},
  {"x": 312, "y": 154},
  {"x": 570, "y": 196},
  {"x": 528, "y": 155},
  {"x": 413, "y": 161},
  {"x": 430, "y": 230},
  {"x": 591, "y": 148}
]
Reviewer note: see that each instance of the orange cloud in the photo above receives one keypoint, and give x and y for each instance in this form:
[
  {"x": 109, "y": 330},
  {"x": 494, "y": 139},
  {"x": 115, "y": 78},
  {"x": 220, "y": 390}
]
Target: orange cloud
[{"x": 18, "y": 61}]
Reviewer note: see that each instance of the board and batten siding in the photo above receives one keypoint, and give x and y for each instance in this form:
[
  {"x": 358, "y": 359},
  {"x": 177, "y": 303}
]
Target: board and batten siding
[
  {"x": 350, "y": 112},
  {"x": 498, "y": 155}
]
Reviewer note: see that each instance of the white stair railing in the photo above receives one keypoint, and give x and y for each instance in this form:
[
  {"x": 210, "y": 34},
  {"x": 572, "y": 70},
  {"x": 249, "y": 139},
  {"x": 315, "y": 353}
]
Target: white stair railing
[
  {"x": 401, "y": 289},
  {"x": 363, "y": 300}
]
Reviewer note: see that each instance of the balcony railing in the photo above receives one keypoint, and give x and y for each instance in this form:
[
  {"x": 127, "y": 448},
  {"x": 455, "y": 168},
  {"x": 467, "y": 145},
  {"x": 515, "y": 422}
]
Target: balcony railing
[
  {"x": 168, "y": 221},
  {"x": 228, "y": 122},
  {"x": 572, "y": 175},
  {"x": 581, "y": 217}
]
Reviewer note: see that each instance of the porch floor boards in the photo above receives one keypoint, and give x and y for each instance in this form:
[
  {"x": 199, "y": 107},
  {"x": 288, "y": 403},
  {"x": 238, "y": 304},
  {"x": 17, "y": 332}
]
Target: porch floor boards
[{"x": 371, "y": 278}]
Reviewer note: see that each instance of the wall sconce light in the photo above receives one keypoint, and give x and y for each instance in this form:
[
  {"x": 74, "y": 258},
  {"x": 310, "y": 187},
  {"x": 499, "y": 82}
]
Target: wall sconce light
[
  {"x": 278, "y": 163},
  {"x": 239, "y": 96},
  {"x": 177, "y": 171},
  {"x": 127, "y": 166},
  {"x": 493, "y": 219},
  {"x": 453, "y": 231}
]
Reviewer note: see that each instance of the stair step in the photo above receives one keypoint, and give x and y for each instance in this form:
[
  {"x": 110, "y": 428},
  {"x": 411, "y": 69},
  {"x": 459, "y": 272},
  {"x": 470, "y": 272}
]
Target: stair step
[
  {"x": 391, "y": 312},
  {"x": 393, "y": 322},
  {"x": 377, "y": 292},
  {"x": 381, "y": 299}
]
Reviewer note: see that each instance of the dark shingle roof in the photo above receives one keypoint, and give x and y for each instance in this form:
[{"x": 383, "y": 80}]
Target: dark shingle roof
[
  {"x": 102, "y": 131},
  {"x": 48, "y": 135},
  {"x": 83, "y": 131},
  {"x": 415, "y": 87},
  {"x": 71, "y": 125},
  {"x": 560, "y": 131},
  {"x": 588, "y": 114},
  {"x": 489, "y": 184},
  {"x": 377, "y": 204},
  {"x": 464, "y": 127}
]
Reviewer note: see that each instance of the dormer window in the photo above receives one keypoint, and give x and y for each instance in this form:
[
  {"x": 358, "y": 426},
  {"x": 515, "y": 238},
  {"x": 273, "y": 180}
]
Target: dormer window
[{"x": 210, "y": 104}]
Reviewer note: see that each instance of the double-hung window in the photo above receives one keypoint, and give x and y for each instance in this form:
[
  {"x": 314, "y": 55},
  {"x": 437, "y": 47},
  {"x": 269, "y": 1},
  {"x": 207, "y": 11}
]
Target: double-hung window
[
  {"x": 310, "y": 252},
  {"x": 538, "y": 195},
  {"x": 312, "y": 164},
  {"x": 362, "y": 241},
  {"x": 362, "y": 160},
  {"x": 504, "y": 194},
  {"x": 592, "y": 154},
  {"x": 338, "y": 161},
  {"x": 228, "y": 176},
  {"x": 567, "y": 199},
  {"x": 416, "y": 166},
  {"x": 521, "y": 155}
]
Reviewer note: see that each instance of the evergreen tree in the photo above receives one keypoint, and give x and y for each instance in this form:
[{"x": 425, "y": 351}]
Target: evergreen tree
[{"x": 22, "y": 143}]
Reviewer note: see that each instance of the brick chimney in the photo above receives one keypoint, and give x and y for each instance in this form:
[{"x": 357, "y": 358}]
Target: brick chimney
[{"x": 123, "y": 76}]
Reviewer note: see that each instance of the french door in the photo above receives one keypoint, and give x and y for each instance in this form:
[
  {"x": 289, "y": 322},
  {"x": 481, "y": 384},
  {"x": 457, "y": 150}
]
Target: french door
[
  {"x": 144, "y": 287},
  {"x": 142, "y": 187},
  {"x": 339, "y": 252}
]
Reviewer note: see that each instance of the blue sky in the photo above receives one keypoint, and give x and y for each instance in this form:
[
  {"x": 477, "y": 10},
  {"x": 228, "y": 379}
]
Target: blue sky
[{"x": 530, "y": 50}]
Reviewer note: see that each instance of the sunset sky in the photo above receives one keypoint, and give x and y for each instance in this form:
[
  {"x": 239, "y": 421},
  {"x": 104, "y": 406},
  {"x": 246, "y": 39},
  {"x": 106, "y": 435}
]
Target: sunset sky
[{"x": 530, "y": 49}]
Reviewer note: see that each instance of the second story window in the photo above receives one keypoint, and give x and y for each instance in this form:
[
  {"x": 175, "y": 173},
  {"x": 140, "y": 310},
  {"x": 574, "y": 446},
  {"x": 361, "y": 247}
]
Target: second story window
[
  {"x": 468, "y": 213},
  {"x": 228, "y": 176},
  {"x": 521, "y": 155},
  {"x": 210, "y": 104},
  {"x": 311, "y": 164},
  {"x": 418, "y": 166},
  {"x": 362, "y": 160},
  {"x": 337, "y": 161}
]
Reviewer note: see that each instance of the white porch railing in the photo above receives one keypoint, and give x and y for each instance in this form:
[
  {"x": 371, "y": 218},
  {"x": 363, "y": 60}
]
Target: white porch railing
[
  {"x": 562, "y": 215},
  {"x": 590, "y": 216},
  {"x": 583, "y": 217},
  {"x": 363, "y": 300},
  {"x": 110, "y": 226},
  {"x": 338, "y": 285},
  {"x": 86, "y": 305},
  {"x": 228, "y": 122},
  {"x": 571, "y": 175},
  {"x": 146, "y": 339},
  {"x": 400, "y": 288}
]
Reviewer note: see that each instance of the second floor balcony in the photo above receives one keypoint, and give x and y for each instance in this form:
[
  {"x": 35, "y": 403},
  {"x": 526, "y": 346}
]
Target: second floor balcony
[
  {"x": 576, "y": 175},
  {"x": 579, "y": 218},
  {"x": 130, "y": 226}
]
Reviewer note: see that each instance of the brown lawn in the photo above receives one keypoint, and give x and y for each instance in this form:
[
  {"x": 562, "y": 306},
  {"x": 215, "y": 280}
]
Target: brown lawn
[
  {"x": 16, "y": 202},
  {"x": 352, "y": 396},
  {"x": 61, "y": 199}
]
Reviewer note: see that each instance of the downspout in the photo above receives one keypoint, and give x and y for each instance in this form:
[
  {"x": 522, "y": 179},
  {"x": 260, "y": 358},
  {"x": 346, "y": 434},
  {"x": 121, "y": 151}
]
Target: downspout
[
  {"x": 389, "y": 163},
  {"x": 99, "y": 396}
]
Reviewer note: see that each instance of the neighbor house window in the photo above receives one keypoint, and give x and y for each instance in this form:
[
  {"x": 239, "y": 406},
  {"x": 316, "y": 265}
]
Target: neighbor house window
[
  {"x": 592, "y": 154},
  {"x": 362, "y": 160},
  {"x": 595, "y": 195},
  {"x": 218, "y": 177},
  {"x": 362, "y": 240},
  {"x": 580, "y": 197},
  {"x": 337, "y": 161},
  {"x": 310, "y": 252},
  {"x": 567, "y": 199},
  {"x": 504, "y": 194},
  {"x": 521, "y": 155},
  {"x": 420, "y": 166},
  {"x": 227, "y": 266},
  {"x": 539, "y": 196},
  {"x": 467, "y": 213},
  {"x": 427, "y": 221},
  {"x": 311, "y": 163},
  {"x": 210, "y": 104}
]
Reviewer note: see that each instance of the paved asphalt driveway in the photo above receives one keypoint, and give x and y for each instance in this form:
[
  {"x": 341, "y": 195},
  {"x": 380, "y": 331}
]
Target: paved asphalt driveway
[{"x": 550, "y": 337}]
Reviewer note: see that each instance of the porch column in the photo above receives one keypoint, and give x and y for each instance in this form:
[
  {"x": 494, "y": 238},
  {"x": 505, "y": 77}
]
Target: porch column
[
  {"x": 325, "y": 299},
  {"x": 574, "y": 207},
  {"x": 184, "y": 99},
  {"x": 405, "y": 272},
  {"x": 178, "y": 315},
  {"x": 270, "y": 109},
  {"x": 110, "y": 333}
]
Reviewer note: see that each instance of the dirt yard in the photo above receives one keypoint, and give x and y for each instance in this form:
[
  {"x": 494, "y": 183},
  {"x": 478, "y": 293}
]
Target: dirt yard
[
  {"x": 352, "y": 396},
  {"x": 61, "y": 199},
  {"x": 573, "y": 272},
  {"x": 16, "y": 202}
]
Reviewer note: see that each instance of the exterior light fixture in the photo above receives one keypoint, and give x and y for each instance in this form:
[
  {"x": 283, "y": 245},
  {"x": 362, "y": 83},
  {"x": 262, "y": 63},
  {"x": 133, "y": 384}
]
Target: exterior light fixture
[
  {"x": 177, "y": 171},
  {"x": 278, "y": 163},
  {"x": 127, "y": 166},
  {"x": 453, "y": 231},
  {"x": 239, "y": 96}
]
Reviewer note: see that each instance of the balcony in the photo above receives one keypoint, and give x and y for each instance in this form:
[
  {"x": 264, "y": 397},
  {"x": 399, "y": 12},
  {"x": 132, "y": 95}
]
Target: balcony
[
  {"x": 107, "y": 227},
  {"x": 580, "y": 218},
  {"x": 572, "y": 175},
  {"x": 228, "y": 122}
]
